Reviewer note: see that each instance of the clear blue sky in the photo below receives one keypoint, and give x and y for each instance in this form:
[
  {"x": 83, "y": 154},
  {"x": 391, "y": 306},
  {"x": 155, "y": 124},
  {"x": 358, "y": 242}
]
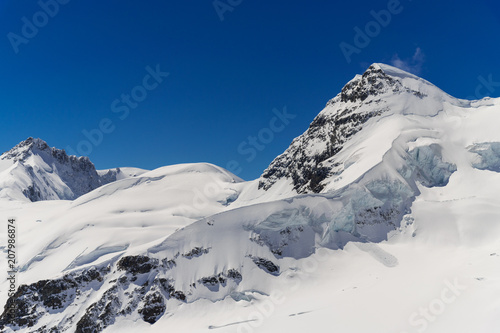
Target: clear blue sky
[{"x": 225, "y": 76}]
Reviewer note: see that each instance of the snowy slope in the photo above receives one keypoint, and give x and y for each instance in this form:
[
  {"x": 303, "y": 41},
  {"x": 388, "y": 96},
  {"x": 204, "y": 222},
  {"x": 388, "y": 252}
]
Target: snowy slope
[
  {"x": 118, "y": 216},
  {"x": 382, "y": 217}
]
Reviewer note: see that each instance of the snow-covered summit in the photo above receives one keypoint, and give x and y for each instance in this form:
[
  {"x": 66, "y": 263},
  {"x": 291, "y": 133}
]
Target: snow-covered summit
[
  {"x": 381, "y": 79},
  {"x": 383, "y": 91},
  {"x": 23, "y": 150}
]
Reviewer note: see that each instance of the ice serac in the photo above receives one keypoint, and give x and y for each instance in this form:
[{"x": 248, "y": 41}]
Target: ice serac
[
  {"x": 487, "y": 156},
  {"x": 310, "y": 161},
  {"x": 34, "y": 171}
]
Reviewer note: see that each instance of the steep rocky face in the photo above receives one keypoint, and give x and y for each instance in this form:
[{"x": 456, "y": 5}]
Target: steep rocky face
[
  {"x": 135, "y": 285},
  {"x": 48, "y": 173},
  {"x": 309, "y": 160},
  {"x": 31, "y": 302}
]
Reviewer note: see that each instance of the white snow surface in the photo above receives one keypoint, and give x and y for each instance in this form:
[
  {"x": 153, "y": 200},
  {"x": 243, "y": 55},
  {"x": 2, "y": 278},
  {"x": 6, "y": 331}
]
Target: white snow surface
[{"x": 404, "y": 238}]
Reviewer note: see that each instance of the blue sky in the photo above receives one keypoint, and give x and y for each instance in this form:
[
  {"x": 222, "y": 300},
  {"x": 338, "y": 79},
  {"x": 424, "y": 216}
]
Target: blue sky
[{"x": 244, "y": 77}]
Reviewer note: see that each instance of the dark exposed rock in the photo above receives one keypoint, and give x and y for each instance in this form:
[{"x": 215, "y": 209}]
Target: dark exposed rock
[
  {"x": 266, "y": 265},
  {"x": 234, "y": 275},
  {"x": 31, "y": 302},
  {"x": 137, "y": 264},
  {"x": 100, "y": 314},
  {"x": 33, "y": 193},
  {"x": 168, "y": 263},
  {"x": 179, "y": 295},
  {"x": 154, "y": 307},
  {"x": 213, "y": 280},
  {"x": 169, "y": 288},
  {"x": 147, "y": 298},
  {"x": 308, "y": 171},
  {"x": 196, "y": 252}
]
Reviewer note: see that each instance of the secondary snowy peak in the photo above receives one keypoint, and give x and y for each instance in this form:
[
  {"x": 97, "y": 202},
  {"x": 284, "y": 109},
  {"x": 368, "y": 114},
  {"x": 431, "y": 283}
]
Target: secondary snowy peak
[
  {"x": 31, "y": 146},
  {"x": 34, "y": 171},
  {"x": 22, "y": 150},
  {"x": 381, "y": 91}
]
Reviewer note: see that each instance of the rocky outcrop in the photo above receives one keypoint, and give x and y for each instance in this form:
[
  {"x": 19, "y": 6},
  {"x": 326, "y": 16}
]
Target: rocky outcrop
[
  {"x": 137, "y": 284},
  {"x": 304, "y": 163}
]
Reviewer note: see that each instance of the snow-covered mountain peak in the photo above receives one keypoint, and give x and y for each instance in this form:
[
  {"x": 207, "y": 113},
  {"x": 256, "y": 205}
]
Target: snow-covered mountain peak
[
  {"x": 381, "y": 92},
  {"x": 27, "y": 145},
  {"x": 381, "y": 80},
  {"x": 35, "y": 146},
  {"x": 34, "y": 171},
  {"x": 393, "y": 71},
  {"x": 21, "y": 151}
]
